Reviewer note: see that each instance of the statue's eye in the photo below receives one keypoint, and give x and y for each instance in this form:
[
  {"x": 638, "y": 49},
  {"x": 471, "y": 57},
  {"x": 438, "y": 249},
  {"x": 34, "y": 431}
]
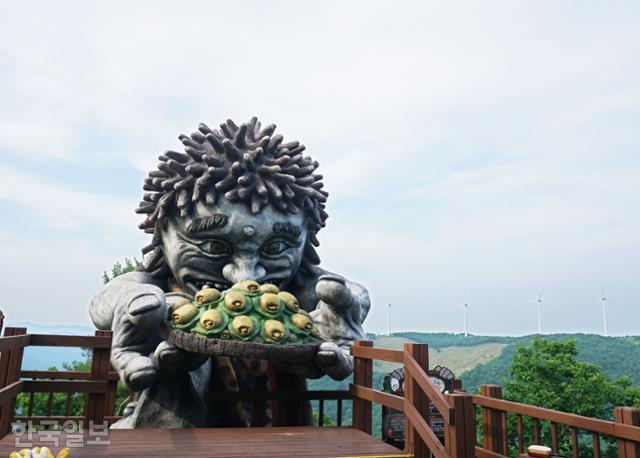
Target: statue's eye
[
  {"x": 216, "y": 248},
  {"x": 276, "y": 247}
]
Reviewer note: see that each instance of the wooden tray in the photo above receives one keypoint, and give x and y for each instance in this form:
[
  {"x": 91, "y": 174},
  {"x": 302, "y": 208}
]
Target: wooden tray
[{"x": 295, "y": 354}]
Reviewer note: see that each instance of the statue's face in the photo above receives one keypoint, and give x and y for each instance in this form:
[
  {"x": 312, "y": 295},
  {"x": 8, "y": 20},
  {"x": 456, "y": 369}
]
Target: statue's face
[{"x": 223, "y": 244}]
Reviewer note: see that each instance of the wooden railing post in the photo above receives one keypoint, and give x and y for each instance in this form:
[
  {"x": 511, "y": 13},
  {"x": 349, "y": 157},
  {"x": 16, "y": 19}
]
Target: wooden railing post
[
  {"x": 413, "y": 394},
  {"x": 460, "y": 435},
  {"x": 112, "y": 394},
  {"x": 363, "y": 376},
  {"x": 628, "y": 416},
  {"x": 494, "y": 423},
  {"x": 98, "y": 403},
  {"x": 10, "y": 366}
]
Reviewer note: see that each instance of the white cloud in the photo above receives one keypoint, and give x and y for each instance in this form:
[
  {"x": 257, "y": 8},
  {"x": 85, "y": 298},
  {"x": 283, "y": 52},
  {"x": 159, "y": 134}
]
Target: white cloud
[
  {"x": 487, "y": 148},
  {"x": 62, "y": 207}
]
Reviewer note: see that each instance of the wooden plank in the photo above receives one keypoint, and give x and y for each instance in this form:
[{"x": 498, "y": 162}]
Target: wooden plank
[
  {"x": 63, "y": 386},
  {"x": 63, "y": 375},
  {"x": 596, "y": 445},
  {"x": 505, "y": 433},
  {"x": 49, "y": 404},
  {"x": 461, "y": 440},
  {"x": 362, "y": 375},
  {"x": 12, "y": 342},
  {"x": 425, "y": 432},
  {"x": 554, "y": 437},
  {"x": 380, "y": 397},
  {"x": 484, "y": 453},
  {"x": 619, "y": 430},
  {"x": 339, "y": 412},
  {"x": 379, "y": 354},
  {"x": 494, "y": 422},
  {"x": 220, "y": 396},
  {"x": 96, "y": 405},
  {"x": 51, "y": 340},
  {"x": 422, "y": 379},
  {"x": 275, "y": 442},
  {"x": 106, "y": 404},
  {"x": 536, "y": 431},
  {"x": 12, "y": 375},
  {"x": 37, "y": 419},
  {"x": 470, "y": 424},
  {"x": 627, "y": 416},
  {"x": 574, "y": 442},
  {"x": 414, "y": 444},
  {"x": 11, "y": 391},
  {"x": 520, "y": 435}
]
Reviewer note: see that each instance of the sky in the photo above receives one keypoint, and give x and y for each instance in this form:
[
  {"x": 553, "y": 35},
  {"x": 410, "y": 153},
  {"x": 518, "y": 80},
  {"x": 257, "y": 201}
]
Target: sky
[{"x": 473, "y": 151}]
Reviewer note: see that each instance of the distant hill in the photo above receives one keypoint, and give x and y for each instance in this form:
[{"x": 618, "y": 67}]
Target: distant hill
[
  {"x": 41, "y": 358},
  {"x": 486, "y": 359},
  {"x": 618, "y": 356},
  {"x": 475, "y": 359}
]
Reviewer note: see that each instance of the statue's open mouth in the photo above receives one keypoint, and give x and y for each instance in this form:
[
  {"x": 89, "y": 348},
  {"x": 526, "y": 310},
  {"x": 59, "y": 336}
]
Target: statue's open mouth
[{"x": 198, "y": 284}]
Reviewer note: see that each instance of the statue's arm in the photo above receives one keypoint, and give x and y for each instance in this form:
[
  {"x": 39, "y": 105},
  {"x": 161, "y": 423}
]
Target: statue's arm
[
  {"x": 340, "y": 311},
  {"x": 132, "y": 305}
]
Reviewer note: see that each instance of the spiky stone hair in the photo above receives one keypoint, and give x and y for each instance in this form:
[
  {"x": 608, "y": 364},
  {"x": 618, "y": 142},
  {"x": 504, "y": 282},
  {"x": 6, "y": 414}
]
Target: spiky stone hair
[{"x": 243, "y": 163}]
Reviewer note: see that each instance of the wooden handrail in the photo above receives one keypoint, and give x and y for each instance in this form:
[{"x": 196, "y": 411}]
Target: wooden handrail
[
  {"x": 63, "y": 375},
  {"x": 51, "y": 340},
  {"x": 63, "y": 386},
  {"x": 379, "y": 354},
  {"x": 610, "y": 428},
  {"x": 424, "y": 431},
  {"x": 422, "y": 379},
  {"x": 8, "y": 343},
  {"x": 11, "y": 391},
  {"x": 227, "y": 396},
  {"x": 369, "y": 394}
]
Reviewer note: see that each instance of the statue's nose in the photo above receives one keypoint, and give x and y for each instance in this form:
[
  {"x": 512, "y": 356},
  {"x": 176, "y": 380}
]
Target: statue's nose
[{"x": 243, "y": 269}]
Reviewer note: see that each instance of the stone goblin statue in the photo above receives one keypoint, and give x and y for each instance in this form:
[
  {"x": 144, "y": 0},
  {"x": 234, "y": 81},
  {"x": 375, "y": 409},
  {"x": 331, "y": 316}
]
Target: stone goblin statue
[{"x": 238, "y": 204}]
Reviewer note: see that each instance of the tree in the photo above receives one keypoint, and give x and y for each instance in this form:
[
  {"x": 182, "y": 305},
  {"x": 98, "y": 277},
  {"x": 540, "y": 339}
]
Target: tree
[
  {"x": 119, "y": 269},
  {"x": 39, "y": 405},
  {"x": 547, "y": 374}
]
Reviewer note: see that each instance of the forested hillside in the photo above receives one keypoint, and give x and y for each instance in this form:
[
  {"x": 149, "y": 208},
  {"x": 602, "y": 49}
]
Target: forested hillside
[{"x": 486, "y": 359}]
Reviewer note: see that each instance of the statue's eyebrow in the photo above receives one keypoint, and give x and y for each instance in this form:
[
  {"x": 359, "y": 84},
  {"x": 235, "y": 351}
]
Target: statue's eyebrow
[
  {"x": 207, "y": 223},
  {"x": 287, "y": 228}
]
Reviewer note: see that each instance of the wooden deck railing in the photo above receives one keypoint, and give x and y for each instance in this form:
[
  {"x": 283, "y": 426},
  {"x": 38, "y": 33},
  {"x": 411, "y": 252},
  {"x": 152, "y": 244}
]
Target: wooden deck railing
[
  {"x": 420, "y": 440},
  {"x": 458, "y": 409},
  {"x": 496, "y": 441},
  {"x": 97, "y": 386}
]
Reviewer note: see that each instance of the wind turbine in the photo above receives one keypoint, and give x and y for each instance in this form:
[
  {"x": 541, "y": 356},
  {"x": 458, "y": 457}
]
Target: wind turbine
[
  {"x": 604, "y": 300},
  {"x": 539, "y": 302},
  {"x": 467, "y": 309},
  {"x": 389, "y": 307}
]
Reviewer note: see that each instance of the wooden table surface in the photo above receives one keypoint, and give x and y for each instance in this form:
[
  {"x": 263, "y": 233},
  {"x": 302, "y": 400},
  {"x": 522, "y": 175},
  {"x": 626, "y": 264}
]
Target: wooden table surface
[{"x": 307, "y": 442}]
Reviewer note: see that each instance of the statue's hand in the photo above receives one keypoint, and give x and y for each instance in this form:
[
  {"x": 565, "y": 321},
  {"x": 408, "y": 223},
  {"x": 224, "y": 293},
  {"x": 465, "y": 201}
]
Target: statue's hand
[
  {"x": 334, "y": 360},
  {"x": 342, "y": 308}
]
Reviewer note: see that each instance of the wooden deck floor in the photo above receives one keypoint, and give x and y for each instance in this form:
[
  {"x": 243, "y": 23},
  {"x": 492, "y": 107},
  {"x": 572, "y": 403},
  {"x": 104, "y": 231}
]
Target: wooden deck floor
[{"x": 307, "y": 442}]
